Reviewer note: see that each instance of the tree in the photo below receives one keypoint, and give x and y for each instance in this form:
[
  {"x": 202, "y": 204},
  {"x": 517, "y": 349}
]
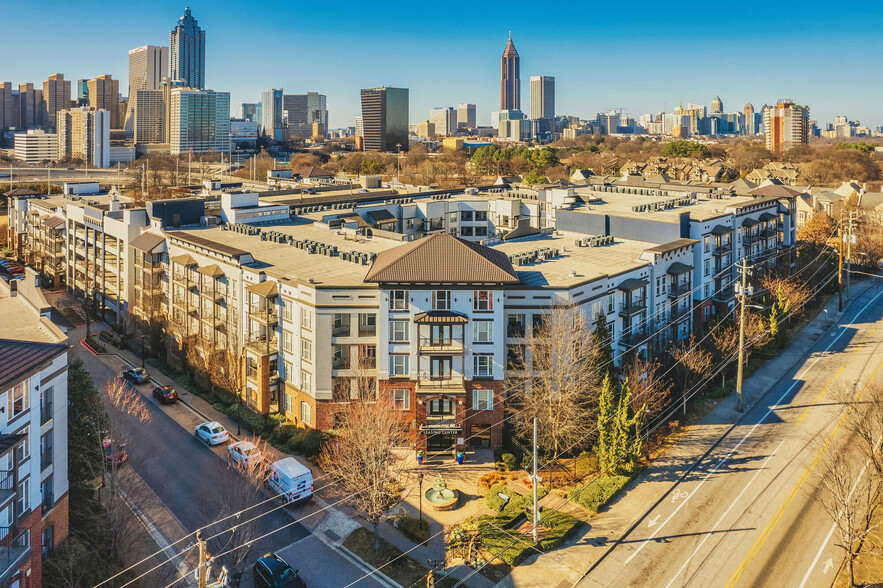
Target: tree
[
  {"x": 366, "y": 470},
  {"x": 619, "y": 435},
  {"x": 602, "y": 345},
  {"x": 817, "y": 230},
  {"x": 85, "y": 414},
  {"x": 692, "y": 363},
  {"x": 534, "y": 176},
  {"x": 649, "y": 391},
  {"x": 371, "y": 167},
  {"x": 683, "y": 148},
  {"x": 557, "y": 385}
]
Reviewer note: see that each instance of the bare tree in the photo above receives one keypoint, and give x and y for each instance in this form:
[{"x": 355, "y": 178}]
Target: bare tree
[
  {"x": 649, "y": 391},
  {"x": 692, "y": 363},
  {"x": 361, "y": 459},
  {"x": 557, "y": 383}
]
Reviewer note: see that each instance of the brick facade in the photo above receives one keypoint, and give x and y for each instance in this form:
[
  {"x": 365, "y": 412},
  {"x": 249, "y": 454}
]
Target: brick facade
[{"x": 30, "y": 575}]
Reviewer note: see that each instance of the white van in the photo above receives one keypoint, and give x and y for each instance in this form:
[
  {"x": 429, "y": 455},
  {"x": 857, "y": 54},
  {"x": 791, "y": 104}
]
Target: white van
[{"x": 291, "y": 480}]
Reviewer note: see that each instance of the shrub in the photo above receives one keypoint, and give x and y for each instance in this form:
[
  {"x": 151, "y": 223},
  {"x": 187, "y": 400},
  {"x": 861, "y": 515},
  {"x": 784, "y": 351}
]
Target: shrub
[
  {"x": 510, "y": 547},
  {"x": 311, "y": 442},
  {"x": 414, "y": 528},
  {"x": 561, "y": 525},
  {"x": 598, "y": 492},
  {"x": 220, "y": 407},
  {"x": 492, "y": 499},
  {"x": 510, "y": 462},
  {"x": 486, "y": 481},
  {"x": 255, "y": 422},
  {"x": 286, "y": 432}
]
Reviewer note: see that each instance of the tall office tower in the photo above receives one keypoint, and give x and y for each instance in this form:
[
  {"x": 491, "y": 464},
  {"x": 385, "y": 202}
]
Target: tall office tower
[
  {"x": 466, "y": 116},
  {"x": 84, "y": 133},
  {"x": 542, "y": 97},
  {"x": 104, "y": 94},
  {"x": 6, "y": 108},
  {"x": 271, "y": 112},
  {"x": 147, "y": 116},
  {"x": 748, "y": 116},
  {"x": 717, "y": 104},
  {"x": 56, "y": 96},
  {"x": 166, "y": 87},
  {"x": 200, "y": 120},
  {"x": 786, "y": 125},
  {"x": 82, "y": 89},
  {"x": 510, "y": 78},
  {"x": 317, "y": 111},
  {"x": 249, "y": 112},
  {"x": 294, "y": 114},
  {"x": 360, "y": 127},
  {"x": 385, "y": 119},
  {"x": 187, "y": 52},
  {"x": 30, "y": 107},
  {"x": 444, "y": 119},
  {"x": 148, "y": 66}
]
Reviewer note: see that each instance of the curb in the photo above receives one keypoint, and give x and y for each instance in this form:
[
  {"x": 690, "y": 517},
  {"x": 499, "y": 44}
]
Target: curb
[
  {"x": 747, "y": 409},
  {"x": 376, "y": 574}
]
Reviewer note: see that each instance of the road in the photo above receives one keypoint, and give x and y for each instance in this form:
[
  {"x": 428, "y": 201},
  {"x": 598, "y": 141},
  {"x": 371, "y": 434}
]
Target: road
[
  {"x": 184, "y": 475},
  {"x": 745, "y": 515}
]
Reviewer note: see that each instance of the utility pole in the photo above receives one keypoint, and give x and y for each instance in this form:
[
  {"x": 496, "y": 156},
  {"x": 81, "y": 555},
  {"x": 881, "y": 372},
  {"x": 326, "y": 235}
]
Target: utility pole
[
  {"x": 202, "y": 568},
  {"x": 536, "y": 514},
  {"x": 743, "y": 290},
  {"x": 853, "y": 214},
  {"x": 840, "y": 265}
]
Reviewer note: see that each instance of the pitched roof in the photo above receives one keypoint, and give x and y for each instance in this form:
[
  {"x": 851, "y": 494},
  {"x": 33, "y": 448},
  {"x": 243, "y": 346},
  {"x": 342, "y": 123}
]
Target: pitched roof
[
  {"x": 382, "y": 216},
  {"x": 440, "y": 317},
  {"x": 673, "y": 245},
  {"x": 678, "y": 268},
  {"x": 265, "y": 289},
  {"x": 52, "y": 222},
  {"x": 18, "y": 359},
  {"x": 184, "y": 259},
  {"x": 777, "y": 190},
  {"x": 315, "y": 172},
  {"x": 21, "y": 192},
  {"x": 147, "y": 242},
  {"x": 442, "y": 258},
  {"x": 212, "y": 271}
]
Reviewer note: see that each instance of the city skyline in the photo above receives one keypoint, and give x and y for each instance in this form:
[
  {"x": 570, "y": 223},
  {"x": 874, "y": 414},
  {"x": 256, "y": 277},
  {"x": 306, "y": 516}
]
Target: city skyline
[{"x": 249, "y": 52}]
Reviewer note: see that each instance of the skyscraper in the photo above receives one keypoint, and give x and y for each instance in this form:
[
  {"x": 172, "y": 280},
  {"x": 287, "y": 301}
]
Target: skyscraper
[
  {"x": 466, "y": 116},
  {"x": 104, "y": 93},
  {"x": 82, "y": 89},
  {"x": 30, "y": 107},
  {"x": 187, "y": 52},
  {"x": 200, "y": 120},
  {"x": 717, "y": 104},
  {"x": 445, "y": 120},
  {"x": 6, "y": 108},
  {"x": 56, "y": 96},
  {"x": 385, "y": 119},
  {"x": 748, "y": 120},
  {"x": 786, "y": 125},
  {"x": 249, "y": 112},
  {"x": 302, "y": 111},
  {"x": 271, "y": 111},
  {"x": 542, "y": 97},
  {"x": 84, "y": 134},
  {"x": 148, "y": 65},
  {"x": 146, "y": 119},
  {"x": 510, "y": 78}
]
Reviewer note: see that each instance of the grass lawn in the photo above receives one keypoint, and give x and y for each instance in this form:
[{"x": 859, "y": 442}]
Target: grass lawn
[{"x": 405, "y": 570}]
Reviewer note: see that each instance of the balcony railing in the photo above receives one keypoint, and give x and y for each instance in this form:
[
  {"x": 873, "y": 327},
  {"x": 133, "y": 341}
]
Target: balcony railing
[
  {"x": 46, "y": 459},
  {"x": 634, "y": 335},
  {"x": 262, "y": 314},
  {"x": 262, "y": 345},
  {"x": 14, "y": 550},
  {"x": 45, "y": 413},
  {"x": 679, "y": 289},
  {"x": 441, "y": 344},
  {"x": 678, "y": 312},
  {"x": 722, "y": 248},
  {"x": 632, "y": 307},
  {"x": 516, "y": 330},
  {"x": 440, "y": 382}
]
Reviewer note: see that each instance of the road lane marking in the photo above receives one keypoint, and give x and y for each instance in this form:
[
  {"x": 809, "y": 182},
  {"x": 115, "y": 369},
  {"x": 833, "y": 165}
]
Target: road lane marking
[
  {"x": 836, "y": 374},
  {"x": 653, "y": 521},
  {"x": 793, "y": 493},
  {"x": 738, "y": 498},
  {"x": 769, "y": 411}
]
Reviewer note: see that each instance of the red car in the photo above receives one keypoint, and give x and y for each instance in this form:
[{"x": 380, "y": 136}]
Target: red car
[
  {"x": 16, "y": 269},
  {"x": 114, "y": 453},
  {"x": 165, "y": 395}
]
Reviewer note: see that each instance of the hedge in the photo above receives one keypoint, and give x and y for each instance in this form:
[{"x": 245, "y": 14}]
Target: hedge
[
  {"x": 414, "y": 528},
  {"x": 560, "y": 524},
  {"x": 598, "y": 492},
  {"x": 493, "y": 501},
  {"x": 510, "y": 547}
]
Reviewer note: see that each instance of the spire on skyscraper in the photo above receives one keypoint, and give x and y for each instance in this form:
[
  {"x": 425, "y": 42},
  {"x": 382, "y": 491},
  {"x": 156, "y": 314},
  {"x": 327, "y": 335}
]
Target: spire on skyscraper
[{"x": 510, "y": 78}]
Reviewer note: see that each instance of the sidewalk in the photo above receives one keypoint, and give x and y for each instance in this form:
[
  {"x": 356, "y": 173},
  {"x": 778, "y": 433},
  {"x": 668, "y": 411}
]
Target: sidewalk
[{"x": 566, "y": 565}]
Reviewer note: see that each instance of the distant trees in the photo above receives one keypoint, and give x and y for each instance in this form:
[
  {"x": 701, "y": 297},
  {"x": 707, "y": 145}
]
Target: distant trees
[{"x": 685, "y": 148}]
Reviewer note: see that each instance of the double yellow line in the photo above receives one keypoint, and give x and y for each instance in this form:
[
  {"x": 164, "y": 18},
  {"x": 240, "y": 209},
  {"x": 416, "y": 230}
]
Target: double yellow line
[{"x": 793, "y": 493}]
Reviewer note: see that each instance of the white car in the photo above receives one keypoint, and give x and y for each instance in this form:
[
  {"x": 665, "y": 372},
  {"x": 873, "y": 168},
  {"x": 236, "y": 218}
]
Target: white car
[
  {"x": 244, "y": 453},
  {"x": 211, "y": 433}
]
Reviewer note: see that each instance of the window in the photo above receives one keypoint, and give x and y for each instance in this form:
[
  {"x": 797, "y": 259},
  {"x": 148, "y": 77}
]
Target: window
[
  {"x": 597, "y": 309},
  {"x": 286, "y": 309},
  {"x": 367, "y": 324},
  {"x": 305, "y": 413},
  {"x": 466, "y": 232},
  {"x": 611, "y": 301},
  {"x": 288, "y": 402},
  {"x": 482, "y": 400},
  {"x": 483, "y": 331},
  {"x": 289, "y": 370},
  {"x": 707, "y": 267},
  {"x": 398, "y": 331},
  {"x": 23, "y": 451},
  {"x": 18, "y": 399},
  {"x": 47, "y": 540},
  {"x": 515, "y": 325},
  {"x": 481, "y": 231},
  {"x": 398, "y": 364},
  {"x": 46, "y": 450},
  {"x": 480, "y": 216},
  {"x": 306, "y": 350},
  {"x": 483, "y": 365},
  {"x": 306, "y": 381},
  {"x": 286, "y": 342},
  {"x": 306, "y": 318},
  {"x": 466, "y": 216},
  {"x": 47, "y": 494},
  {"x": 340, "y": 357},
  {"x": 398, "y": 300},
  {"x": 706, "y": 290},
  {"x": 441, "y": 300},
  {"x": 367, "y": 356},
  {"x": 707, "y": 245},
  {"x": 401, "y": 398},
  {"x": 483, "y": 300},
  {"x": 24, "y": 491}
]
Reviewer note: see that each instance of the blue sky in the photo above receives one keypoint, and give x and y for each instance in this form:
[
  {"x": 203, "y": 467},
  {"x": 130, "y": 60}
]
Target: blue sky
[{"x": 639, "y": 56}]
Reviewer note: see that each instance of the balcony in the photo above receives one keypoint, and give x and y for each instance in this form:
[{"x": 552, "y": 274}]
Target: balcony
[
  {"x": 45, "y": 459},
  {"x": 263, "y": 315},
  {"x": 679, "y": 289},
  {"x": 263, "y": 346},
  {"x": 516, "y": 330},
  {"x": 429, "y": 382},
  {"x": 634, "y": 336},
  {"x": 45, "y": 413},
  {"x": 7, "y": 486},
  {"x": 678, "y": 312},
  {"x": 14, "y": 551},
  {"x": 751, "y": 238},
  {"x": 632, "y": 307},
  {"x": 722, "y": 248},
  {"x": 440, "y": 345},
  {"x": 340, "y": 363}
]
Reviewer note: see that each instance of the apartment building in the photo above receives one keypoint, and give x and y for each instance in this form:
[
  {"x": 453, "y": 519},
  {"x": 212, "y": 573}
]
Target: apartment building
[
  {"x": 36, "y": 146},
  {"x": 84, "y": 133},
  {"x": 33, "y": 433},
  {"x": 426, "y": 298}
]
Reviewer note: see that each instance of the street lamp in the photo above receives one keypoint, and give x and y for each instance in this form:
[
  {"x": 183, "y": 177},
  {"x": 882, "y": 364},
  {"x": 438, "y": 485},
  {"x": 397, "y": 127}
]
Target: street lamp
[
  {"x": 398, "y": 159},
  {"x": 142, "y": 351}
]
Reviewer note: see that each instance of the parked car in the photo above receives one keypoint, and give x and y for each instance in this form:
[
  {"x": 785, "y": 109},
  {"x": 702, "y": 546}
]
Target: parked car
[
  {"x": 244, "y": 453},
  {"x": 211, "y": 433},
  {"x": 137, "y": 375},
  {"x": 16, "y": 269},
  {"x": 362, "y": 191},
  {"x": 165, "y": 394},
  {"x": 291, "y": 480},
  {"x": 271, "y": 571},
  {"x": 114, "y": 453}
]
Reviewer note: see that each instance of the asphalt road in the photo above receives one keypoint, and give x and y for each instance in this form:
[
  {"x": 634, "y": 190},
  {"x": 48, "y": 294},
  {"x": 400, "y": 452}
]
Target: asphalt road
[
  {"x": 190, "y": 480},
  {"x": 745, "y": 515}
]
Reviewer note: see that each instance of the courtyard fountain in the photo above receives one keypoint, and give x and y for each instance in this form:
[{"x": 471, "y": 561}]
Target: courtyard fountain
[{"x": 440, "y": 497}]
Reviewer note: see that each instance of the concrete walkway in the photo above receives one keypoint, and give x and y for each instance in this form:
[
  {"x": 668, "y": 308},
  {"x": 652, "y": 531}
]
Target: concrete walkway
[{"x": 566, "y": 565}]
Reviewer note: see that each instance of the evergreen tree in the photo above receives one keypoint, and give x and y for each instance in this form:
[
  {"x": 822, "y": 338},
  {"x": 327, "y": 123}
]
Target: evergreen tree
[
  {"x": 606, "y": 425},
  {"x": 603, "y": 350},
  {"x": 86, "y": 417},
  {"x": 628, "y": 438}
]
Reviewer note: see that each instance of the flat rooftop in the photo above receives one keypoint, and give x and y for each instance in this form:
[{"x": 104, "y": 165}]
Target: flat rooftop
[{"x": 703, "y": 208}]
